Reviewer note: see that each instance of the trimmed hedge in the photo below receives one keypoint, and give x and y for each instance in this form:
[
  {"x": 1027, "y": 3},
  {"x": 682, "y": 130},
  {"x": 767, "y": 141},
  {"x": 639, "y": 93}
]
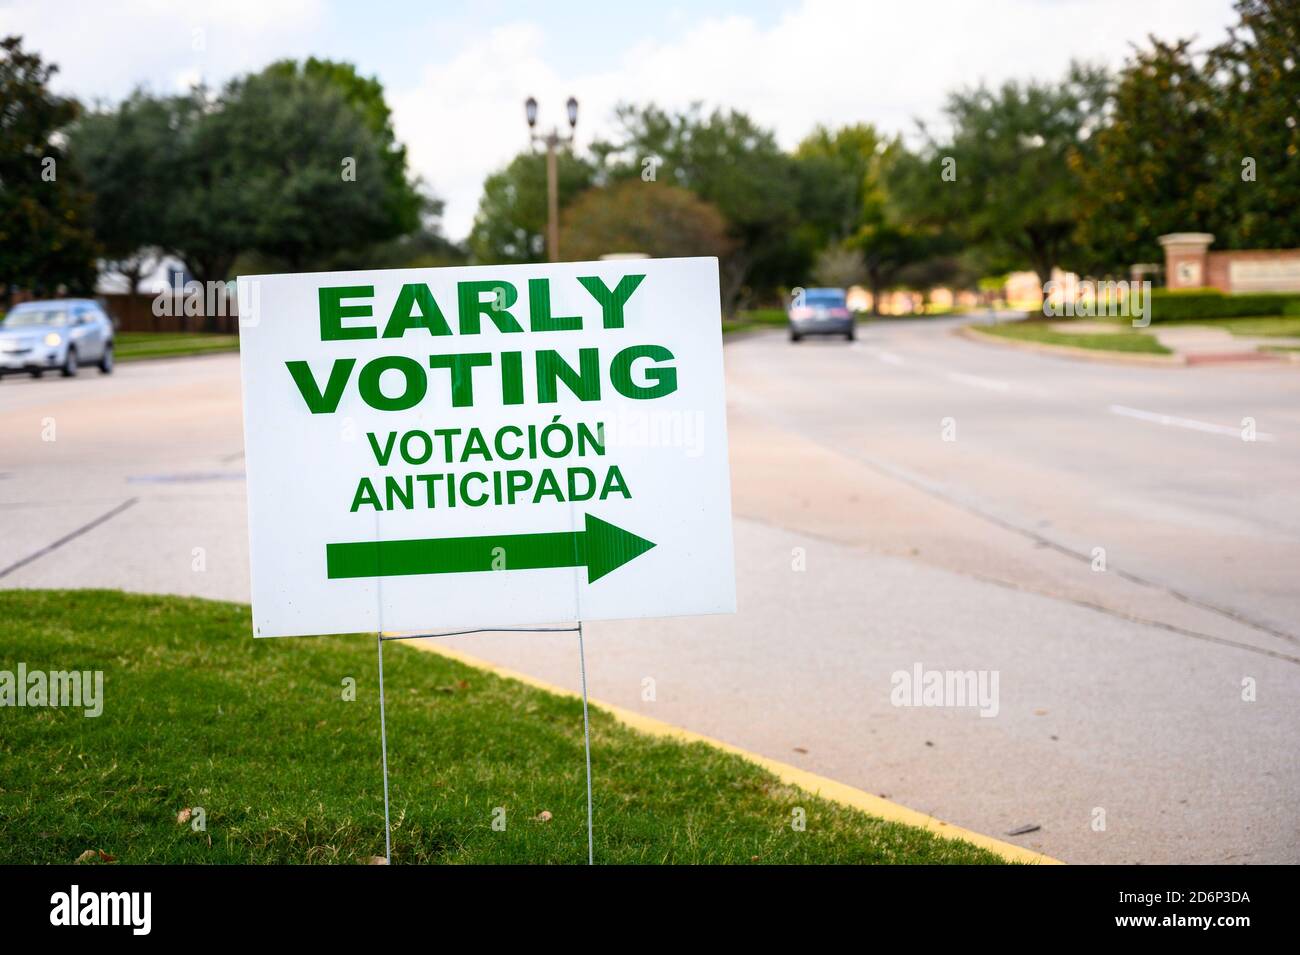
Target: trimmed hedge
[{"x": 1190, "y": 305}]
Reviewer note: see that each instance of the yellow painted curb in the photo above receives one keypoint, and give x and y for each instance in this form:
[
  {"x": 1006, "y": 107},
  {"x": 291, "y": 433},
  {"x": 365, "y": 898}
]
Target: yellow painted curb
[{"x": 810, "y": 782}]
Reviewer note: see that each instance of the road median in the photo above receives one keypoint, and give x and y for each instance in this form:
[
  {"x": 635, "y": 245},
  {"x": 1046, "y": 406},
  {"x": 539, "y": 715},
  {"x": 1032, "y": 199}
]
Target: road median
[{"x": 976, "y": 333}]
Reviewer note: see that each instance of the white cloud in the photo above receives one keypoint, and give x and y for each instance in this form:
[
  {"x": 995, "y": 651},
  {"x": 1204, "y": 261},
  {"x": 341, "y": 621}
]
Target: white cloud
[
  {"x": 465, "y": 117},
  {"x": 105, "y": 49},
  {"x": 826, "y": 61}
]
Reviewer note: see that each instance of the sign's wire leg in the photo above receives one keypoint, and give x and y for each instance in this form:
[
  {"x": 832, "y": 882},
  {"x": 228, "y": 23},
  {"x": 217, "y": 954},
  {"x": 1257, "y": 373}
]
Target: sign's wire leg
[
  {"x": 383, "y": 745},
  {"x": 586, "y": 738}
]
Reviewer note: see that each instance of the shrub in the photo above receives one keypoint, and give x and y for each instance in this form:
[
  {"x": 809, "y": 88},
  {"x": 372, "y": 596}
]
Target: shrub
[{"x": 1194, "y": 304}]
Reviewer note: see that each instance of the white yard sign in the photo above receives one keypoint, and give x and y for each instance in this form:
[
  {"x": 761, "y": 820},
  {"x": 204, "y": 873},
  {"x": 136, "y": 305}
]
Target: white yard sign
[{"x": 490, "y": 446}]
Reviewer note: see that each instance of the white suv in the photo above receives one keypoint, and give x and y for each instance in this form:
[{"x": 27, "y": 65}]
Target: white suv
[{"x": 58, "y": 334}]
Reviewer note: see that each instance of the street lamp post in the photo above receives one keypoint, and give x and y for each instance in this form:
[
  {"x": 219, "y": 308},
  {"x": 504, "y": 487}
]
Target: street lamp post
[{"x": 552, "y": 140}]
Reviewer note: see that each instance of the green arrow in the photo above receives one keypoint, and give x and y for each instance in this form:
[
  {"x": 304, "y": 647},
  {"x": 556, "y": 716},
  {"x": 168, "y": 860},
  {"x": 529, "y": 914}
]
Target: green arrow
[{"x": 601, "y": 547}]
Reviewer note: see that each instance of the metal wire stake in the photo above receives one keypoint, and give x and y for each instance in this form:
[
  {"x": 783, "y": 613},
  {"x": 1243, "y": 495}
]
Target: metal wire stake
[
  {"x": 586, "y": 738},
  {"x": 383, "y": 732},
  {"x": 383, "y": 744}
]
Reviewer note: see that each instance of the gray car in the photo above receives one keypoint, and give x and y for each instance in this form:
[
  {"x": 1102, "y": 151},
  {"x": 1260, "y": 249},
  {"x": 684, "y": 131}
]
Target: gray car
[
  {"x": 821, "y": 311},
  {"x": 56, "y": 335}
]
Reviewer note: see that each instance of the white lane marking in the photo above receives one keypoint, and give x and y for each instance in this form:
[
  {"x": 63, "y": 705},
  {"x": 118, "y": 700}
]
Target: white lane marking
[
  {"x": 977, "y": 381},
  {"x": 1190, "y": 423},
  {"x": 990, "y": 383}
]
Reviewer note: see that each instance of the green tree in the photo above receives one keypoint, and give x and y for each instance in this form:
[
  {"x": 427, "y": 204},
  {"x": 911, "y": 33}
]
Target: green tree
[
  {"x": 898, "y": 229},
  {"x": 403, "y": 202},
  {"x": 1003, "y": 177},
  {"x": 728, "y": 160},
  {"x": 655, "y": 218},
  {"x": 207, "y": 224},
  {"x": 1154, "y": 168},
  {"x": 1260, "y": 67},
  {"x": 850, "y": 176},
  {"x": 839, "y": 266},
  {"x": 888, "y": 247},
  {"x": 840, "y": 173},
  {"x": 285, "y": 167},
  {"x": 45, "y": 240},
  {"x": 951, "y": 271},
  {"x": 130, "y": 156},
  {"x": 425, "y": 248},
  {"x": 510, "y": 225}
]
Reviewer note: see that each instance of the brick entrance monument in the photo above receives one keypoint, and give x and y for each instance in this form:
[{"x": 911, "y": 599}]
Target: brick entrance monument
[{"x": 1189, "y": 263}]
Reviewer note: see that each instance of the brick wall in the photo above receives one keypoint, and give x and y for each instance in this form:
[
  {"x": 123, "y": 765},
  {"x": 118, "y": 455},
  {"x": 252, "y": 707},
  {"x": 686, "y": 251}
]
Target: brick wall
[{"x": 1190, "y": 264}]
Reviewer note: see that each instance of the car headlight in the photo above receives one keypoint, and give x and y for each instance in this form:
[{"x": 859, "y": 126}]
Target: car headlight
[{"x": 53, "y": 339}]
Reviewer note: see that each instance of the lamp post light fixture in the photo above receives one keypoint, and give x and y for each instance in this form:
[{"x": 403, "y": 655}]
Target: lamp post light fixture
[{"x": 552, "y": 140}]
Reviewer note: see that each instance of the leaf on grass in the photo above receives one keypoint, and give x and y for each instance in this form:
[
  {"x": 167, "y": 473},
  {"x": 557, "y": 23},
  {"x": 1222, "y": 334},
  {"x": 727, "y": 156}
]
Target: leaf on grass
[
  {"x": 452, "y": 687},
  {"x": 376, "y": 860},
  {"x": 94, "y": 855}
]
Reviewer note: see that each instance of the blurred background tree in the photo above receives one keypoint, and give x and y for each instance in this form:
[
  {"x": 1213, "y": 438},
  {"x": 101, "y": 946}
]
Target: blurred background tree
[
  {"x": 840, "y": 170},
  {"x": 131, "y": 159},
  {"x": 1154, "y": 167},
  {"x": 1259, "y": 69},
  {"x": 403, "y": 202},
  {"x": 1002, "y": 178},
  {"x": 46, "y": 241},
  {"x": 298, "y": 167},
  {"x": 653, "y": 218},
  {"x": 839, "y": 266},
  {"x": 510, "y": 225},
  {"x": 732, "y": 163},
  {"x": 295, "y": 167}
]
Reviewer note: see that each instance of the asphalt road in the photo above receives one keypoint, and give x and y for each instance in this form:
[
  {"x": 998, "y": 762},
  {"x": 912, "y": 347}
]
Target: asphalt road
[{"x": 867, "y": 544}]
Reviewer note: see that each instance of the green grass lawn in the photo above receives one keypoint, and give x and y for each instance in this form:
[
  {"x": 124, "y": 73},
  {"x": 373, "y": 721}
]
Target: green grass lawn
[
  {"x": 130, "y": 346},
  {"x": 772, "y": 317},
  {"x": 755, "y": 318},
  {"x": 1126, "y": 341},
  {"x": 196, "y": 713},
  {"x": 1263, "y": 326}
]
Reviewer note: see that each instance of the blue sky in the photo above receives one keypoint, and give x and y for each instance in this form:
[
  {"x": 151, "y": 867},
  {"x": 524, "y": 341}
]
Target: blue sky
[
  {"x": 457, "y": 74},
  {"x": 587, "y": 37}
]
